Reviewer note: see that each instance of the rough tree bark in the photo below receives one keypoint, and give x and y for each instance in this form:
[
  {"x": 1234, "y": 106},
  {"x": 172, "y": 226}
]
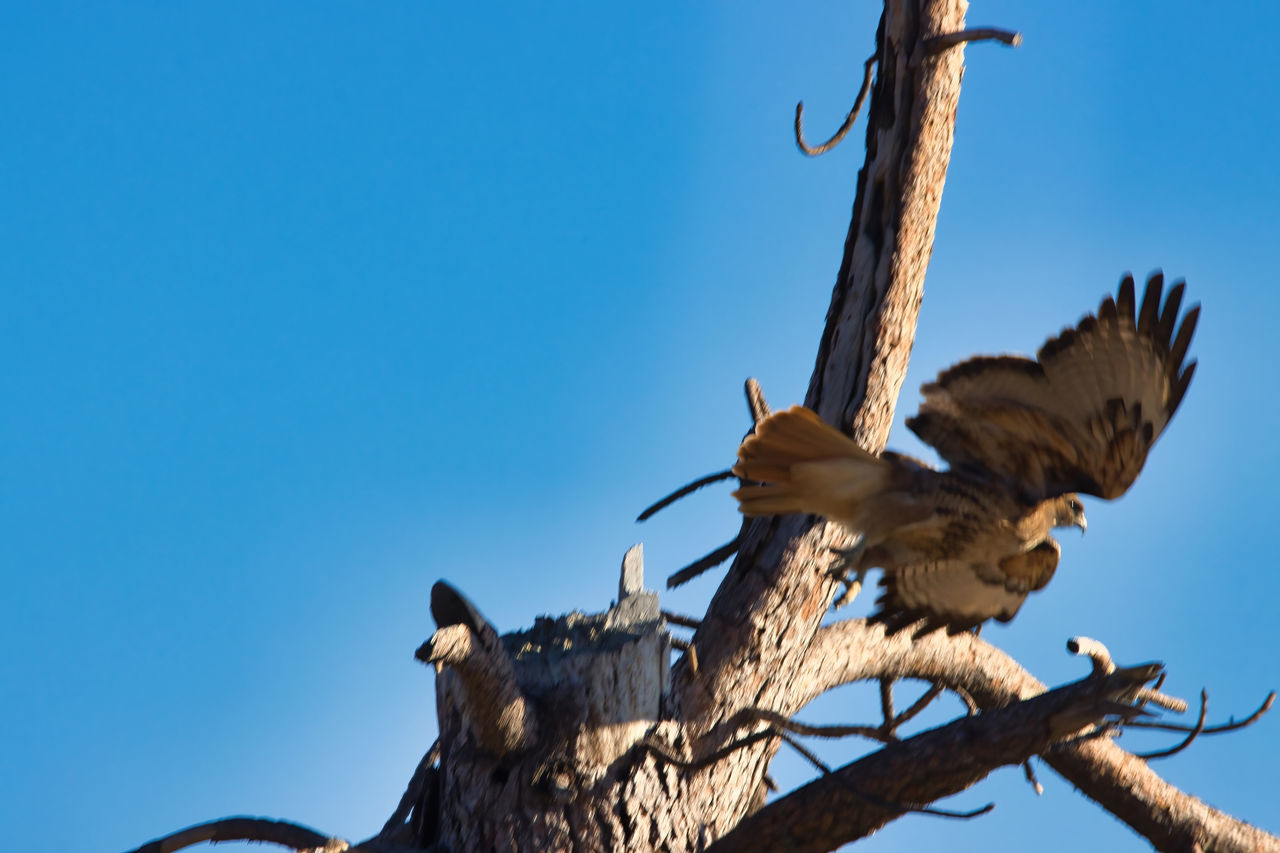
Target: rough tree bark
[
  {"x": 579, "y": 734},
  {"x": 763, "y": 618}
]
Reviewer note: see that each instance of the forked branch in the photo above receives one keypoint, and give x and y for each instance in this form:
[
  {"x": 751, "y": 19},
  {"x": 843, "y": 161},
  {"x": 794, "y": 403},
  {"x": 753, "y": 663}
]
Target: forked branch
[
  {"x": 1120, "y": 782},
  {"x": 938, "y": 763}
]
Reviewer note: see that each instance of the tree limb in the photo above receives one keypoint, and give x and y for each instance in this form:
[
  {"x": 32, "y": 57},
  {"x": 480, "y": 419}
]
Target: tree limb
[
  {"x": 838, "y": 136},
  {"x": 1118, "y": 781},
  {"x": 760, "y": 622},
  {"x": 256, "y": 829},
  {"x": 938, "y": 763}
]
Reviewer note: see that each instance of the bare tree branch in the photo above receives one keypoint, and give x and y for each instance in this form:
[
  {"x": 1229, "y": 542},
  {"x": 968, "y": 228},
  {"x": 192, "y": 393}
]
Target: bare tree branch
[
  {"x": 705, "y": 563},
  {"x": 1230, "y": 726},
  {"x": 684, "y": 491},
  {"x": 883, "y": 805},
  {"x": 938, "y": 763},
  {"x": 1192, "y": 735},
  {"x": 680, "y": 619},
  {"x": 759, "y": 625},
  {"x": 412, "y": 796},
  {"x": 780, "y": 728},
  {"x": 1099, "y": 654},
  {"x": 257, "y": 829},
  {"x": 940, "y": 43},
  {"x": 1118, "y": 781},
  {"x": 838, "y": 136}
]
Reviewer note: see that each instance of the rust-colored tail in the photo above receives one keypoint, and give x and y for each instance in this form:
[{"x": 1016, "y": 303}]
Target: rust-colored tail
[{"x": 805, "y": 465}]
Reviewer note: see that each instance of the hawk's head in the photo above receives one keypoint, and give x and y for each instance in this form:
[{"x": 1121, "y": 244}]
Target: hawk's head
[{"x": 1068, "y": 512}]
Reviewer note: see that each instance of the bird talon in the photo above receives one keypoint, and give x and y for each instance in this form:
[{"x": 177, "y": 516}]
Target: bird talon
[
  {"x": 848, "y": 560},
  {"x": 849, "y": 571},
  {"x": 851, "y": 590}
]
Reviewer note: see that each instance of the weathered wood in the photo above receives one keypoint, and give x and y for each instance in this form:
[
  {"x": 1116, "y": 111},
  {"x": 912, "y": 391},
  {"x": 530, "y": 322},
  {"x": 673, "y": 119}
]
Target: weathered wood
[
  {"x": 1120, "y": 782},
  {"x": 597, "y": 683},
  {"x": 572, "y": 736},
  {"x": 763, "y": 617},
  {"x": 475, "y": 679},
  {"x": 842, "y": 806}
]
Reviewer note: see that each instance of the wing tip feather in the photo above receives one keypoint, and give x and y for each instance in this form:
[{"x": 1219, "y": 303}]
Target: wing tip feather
[
  {"x": 1125, "y": 299},
  {"x": 1149, "y": 313}
]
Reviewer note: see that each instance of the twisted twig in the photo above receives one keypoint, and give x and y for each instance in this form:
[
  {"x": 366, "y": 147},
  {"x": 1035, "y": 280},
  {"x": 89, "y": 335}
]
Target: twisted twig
[{"x": 814, "y": 151}]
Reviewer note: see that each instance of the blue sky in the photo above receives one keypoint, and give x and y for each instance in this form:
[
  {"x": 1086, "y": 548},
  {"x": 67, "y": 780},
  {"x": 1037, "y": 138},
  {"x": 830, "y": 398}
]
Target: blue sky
[{"x": 305, "y": 308}]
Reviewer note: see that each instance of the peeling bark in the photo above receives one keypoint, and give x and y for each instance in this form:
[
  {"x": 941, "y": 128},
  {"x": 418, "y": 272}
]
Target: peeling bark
[{"x": 764, "y": 615}]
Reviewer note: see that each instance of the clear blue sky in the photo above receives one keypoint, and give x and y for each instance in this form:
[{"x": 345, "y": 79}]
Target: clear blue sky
[{"x": 305, "y": 308}]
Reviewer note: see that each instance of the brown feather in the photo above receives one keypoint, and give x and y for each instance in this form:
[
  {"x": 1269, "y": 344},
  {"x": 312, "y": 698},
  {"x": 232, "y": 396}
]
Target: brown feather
[
  {"x": 1182, "y": 342},
  {"x": 805, "y": 465},
  {"x": 1038, "y": 425},
  {"x": 1148, "y": 317},
  {"x": 1125, "y": 297},
  {"x": 1169, "y": 316},
  {"x": 1021, "y": 436}
]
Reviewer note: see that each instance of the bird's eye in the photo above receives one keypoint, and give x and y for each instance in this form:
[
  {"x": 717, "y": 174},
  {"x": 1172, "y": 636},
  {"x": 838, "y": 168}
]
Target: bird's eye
[{"x": 1074, "y": 506}]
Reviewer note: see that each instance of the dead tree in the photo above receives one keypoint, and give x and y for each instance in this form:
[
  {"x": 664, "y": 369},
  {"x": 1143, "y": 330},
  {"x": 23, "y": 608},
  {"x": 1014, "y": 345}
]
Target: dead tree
[{"x": 579, "y": 733}]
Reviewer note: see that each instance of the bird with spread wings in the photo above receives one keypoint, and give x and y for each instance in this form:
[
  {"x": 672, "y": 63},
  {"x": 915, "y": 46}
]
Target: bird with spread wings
[{"x": 1023, "y": 438}]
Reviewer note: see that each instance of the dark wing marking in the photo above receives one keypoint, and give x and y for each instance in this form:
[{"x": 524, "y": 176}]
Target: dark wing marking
[
  {"x": 1082, "y": 416},
  {"x": 959, "y": 594}
]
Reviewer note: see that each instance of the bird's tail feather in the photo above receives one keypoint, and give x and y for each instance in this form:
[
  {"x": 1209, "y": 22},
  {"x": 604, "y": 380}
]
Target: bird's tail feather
[{"x": 805, "y": 465}]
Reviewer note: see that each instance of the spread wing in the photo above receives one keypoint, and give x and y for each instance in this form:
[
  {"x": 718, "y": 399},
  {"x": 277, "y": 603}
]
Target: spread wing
[
  {"x": 959, "y": 594},
  {"x": 1083, "y": 415}
]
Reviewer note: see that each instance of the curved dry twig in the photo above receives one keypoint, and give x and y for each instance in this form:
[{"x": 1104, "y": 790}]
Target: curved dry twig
[
  {"x": 1098, "y": 654},
  {"x": 815, "y": 150},
  {"x": 886, "y": 700},
  {"x": 1230, "y": 726},
  {"x": 1186, "y": 742},
  {"x": 664, "y": 752},
  {"x": 684, "y": 491},
  {"x": 782, "y": 723},
  {"x": 706, "y": 563},
  {"x": 256, "y": 829},
  {"x": 869, "y": 799},
  {"x": 1100, "y": 657},
  {"x": 934, "y": 691},
  {"x": 775, "y": 729}
]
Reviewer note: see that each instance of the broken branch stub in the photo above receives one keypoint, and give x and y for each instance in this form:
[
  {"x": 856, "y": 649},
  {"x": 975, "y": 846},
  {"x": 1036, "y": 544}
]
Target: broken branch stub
[
  {"x": 475, "y": 675},
  {"x": 586, "y": 688}
]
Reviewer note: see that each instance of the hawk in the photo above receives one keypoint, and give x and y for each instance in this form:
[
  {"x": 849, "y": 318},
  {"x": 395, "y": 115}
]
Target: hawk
[{"x": 1023, "y": 439}]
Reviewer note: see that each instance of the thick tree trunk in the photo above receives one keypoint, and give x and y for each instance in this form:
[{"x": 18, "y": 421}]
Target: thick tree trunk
[{"x": 578, "y": 787}]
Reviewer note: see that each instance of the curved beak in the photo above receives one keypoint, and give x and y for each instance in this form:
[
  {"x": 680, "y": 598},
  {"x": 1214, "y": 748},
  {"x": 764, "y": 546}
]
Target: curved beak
[{"x": 1083, "y": 524}]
